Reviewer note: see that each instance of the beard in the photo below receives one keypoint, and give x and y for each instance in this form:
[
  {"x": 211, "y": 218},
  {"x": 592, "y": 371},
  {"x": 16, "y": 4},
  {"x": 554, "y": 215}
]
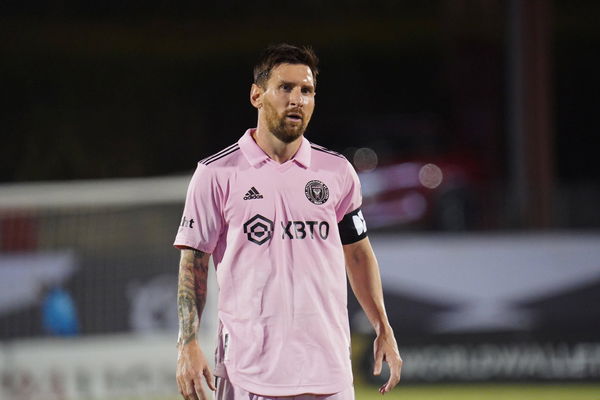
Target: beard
[{"x": 281, "y": 128}]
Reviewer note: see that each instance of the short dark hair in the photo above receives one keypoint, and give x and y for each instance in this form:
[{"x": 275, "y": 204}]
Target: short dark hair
[{"x": 284, "y": 53}]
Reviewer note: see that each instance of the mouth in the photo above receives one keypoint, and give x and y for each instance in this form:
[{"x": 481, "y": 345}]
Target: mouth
[{"x": 293, "y": 116}]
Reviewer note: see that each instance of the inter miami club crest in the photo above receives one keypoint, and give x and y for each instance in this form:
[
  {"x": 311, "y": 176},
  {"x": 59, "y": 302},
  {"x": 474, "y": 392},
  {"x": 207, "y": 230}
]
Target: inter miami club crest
[{"x": 317, "y": 192}]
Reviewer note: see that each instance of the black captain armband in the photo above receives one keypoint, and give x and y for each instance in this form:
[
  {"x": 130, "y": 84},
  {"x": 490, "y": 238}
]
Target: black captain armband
[{"x": 352, "y": 227}]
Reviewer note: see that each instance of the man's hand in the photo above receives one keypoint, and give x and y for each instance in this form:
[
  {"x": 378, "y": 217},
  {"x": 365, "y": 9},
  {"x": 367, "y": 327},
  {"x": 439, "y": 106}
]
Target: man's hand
[
  {"x": 386, "y": 349},
  {"x": 191, "y": 367},
  {"x": 363, "y": 274}
]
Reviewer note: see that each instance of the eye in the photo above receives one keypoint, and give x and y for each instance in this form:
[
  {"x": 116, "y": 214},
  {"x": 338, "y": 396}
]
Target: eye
[
  {"x": 307, "y": 90},
  {"x": 286, "y": 86}
]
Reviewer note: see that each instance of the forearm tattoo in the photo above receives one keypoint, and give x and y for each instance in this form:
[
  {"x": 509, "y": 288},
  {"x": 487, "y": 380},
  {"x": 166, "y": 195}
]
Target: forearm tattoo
[{"x": 191, "y": 293}]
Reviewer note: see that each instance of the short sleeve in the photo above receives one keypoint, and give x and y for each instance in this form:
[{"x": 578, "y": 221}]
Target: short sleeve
[
  {"x": 351, "y": 198},
  {"x": 202, "y": 220}
]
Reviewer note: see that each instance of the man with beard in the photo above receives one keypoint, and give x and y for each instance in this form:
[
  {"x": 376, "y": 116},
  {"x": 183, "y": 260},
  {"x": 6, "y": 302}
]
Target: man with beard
[{"x": 281, "y": 218}]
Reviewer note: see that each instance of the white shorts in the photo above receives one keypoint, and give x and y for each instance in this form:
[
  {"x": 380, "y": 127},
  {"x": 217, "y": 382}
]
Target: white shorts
[{"x": 227, "y": 391}]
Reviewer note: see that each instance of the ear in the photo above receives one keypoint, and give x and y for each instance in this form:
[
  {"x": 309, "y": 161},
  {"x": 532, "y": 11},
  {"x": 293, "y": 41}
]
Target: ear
[{"x": 256, "y": 93}]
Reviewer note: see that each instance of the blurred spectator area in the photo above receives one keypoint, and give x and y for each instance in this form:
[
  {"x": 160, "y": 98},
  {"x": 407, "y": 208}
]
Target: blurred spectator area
[{"x": 97, "y": 255}]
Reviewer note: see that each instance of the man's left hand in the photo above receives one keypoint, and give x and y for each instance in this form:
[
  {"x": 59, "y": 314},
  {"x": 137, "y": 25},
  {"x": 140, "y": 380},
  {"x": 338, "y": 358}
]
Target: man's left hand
[{"x": 386, "y": 349}]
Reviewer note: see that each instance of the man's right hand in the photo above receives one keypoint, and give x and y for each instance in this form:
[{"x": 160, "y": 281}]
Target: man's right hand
[{"x": 191, "y": 367}]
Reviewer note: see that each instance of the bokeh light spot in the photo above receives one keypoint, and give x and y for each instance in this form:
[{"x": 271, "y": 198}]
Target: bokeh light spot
[
  {"x": 430, "y": 176},
  {"x": 365, "y": 159}
]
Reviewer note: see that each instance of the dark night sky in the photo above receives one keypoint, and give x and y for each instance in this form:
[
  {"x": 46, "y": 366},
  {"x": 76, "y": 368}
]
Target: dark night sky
[{"x": 118, "y": 88}]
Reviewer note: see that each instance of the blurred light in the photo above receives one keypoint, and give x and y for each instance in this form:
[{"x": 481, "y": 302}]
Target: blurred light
[
  {"x": 414, "y": 205},
  {"x": 372, "y": 184},
  {"x": 390, "y": 178},
  {"x": 430, "y": 176},
  {"x": 365, "y": 159}
]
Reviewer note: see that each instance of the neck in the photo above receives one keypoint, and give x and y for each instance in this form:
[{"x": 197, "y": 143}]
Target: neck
[{"x": 276, "y": 149}]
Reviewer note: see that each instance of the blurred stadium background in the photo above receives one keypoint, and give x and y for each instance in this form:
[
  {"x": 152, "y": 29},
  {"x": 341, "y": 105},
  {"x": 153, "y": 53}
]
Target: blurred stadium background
[{"x": 472, "y": 124}]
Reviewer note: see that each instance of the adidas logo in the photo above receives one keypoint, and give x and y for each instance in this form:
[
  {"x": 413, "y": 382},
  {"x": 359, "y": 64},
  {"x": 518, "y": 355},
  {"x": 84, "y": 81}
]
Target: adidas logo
[{"x": 253, "y": 194}]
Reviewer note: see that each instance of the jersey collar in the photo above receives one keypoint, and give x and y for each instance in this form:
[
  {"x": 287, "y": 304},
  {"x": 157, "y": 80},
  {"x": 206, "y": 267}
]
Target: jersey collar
[{"x": 255, "y": 155}]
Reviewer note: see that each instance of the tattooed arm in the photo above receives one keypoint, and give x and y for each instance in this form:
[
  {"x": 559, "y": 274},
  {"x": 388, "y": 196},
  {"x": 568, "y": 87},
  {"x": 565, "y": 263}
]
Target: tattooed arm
[{"x": 191, "y": 297}]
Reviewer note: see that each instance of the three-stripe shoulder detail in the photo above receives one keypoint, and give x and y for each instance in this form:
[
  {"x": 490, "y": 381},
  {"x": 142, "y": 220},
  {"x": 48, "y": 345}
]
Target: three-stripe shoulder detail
[
  {"x": 326, "y": 150},
  {"x": 217, "y": 156}
]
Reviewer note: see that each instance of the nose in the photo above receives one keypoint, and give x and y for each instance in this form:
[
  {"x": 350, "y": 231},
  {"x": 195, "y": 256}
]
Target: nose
[{"x": 296, "y": 98}]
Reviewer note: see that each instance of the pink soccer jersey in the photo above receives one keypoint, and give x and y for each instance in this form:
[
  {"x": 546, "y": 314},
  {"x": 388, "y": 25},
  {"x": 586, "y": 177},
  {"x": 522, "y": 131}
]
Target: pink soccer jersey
[{"x": 273, "y": 232}]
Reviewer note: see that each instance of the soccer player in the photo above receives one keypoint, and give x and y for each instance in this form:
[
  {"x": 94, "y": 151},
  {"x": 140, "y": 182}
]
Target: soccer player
[{"x": 281, "y": 218}]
